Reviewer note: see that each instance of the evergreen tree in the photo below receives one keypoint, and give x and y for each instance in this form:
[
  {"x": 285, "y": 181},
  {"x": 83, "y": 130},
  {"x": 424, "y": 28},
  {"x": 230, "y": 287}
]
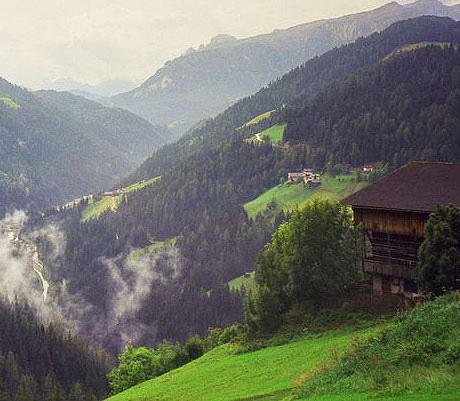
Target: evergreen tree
[{"x": 439, "y": 254}]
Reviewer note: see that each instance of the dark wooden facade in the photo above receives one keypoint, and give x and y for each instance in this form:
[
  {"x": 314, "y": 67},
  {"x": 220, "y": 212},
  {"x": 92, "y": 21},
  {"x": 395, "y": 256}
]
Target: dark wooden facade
[
  {"x": 392, "y": 241},
  {"x": 393, "y": 213}
]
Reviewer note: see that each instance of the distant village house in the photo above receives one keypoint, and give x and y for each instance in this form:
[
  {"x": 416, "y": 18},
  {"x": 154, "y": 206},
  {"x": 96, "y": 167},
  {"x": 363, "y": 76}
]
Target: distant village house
[{"x": 308, "y": 176}]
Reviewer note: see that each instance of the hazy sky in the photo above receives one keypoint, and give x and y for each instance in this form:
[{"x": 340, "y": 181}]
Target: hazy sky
[{"x": 96, "y": 40}]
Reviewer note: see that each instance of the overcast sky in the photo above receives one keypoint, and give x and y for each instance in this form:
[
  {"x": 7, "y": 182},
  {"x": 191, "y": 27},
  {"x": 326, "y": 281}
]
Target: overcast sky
[{"x": 92, "y": 41}]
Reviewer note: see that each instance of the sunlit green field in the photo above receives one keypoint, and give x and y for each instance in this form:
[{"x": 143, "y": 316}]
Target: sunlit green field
[
  {"x": 137, "y": 254},
  {"x": 268, "y": 374},
  {"x": 96, "y": 209},
  {"x": 259, "y": 118},
  {"x": 242, "y": 282},
  {"x": 110, "y": 203},
  {"x": 288, "y": 196},
  {"x": 9, "y": 102},
  {"x": 416, "y": 46}
]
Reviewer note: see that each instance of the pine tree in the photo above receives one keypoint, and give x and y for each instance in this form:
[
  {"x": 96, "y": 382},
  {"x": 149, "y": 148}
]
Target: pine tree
[{"x": 440, "y": 252}]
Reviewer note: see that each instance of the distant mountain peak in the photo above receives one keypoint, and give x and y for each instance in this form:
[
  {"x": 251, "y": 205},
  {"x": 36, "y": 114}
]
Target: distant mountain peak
[{"x": 205, "y": 81}]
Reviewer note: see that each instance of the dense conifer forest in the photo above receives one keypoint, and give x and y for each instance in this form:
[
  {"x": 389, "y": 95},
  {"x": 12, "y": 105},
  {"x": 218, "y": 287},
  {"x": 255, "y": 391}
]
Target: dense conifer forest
[
  {"x": 379, "y": 108},
  {"x": 42, "y": 363}
]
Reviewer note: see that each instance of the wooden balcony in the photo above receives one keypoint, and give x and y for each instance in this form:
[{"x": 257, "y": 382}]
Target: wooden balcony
[{"x": 390, "y": 267}]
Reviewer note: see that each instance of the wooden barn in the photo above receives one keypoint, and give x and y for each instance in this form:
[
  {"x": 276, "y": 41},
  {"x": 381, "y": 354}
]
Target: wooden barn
[{"x": 393, "y": 212}]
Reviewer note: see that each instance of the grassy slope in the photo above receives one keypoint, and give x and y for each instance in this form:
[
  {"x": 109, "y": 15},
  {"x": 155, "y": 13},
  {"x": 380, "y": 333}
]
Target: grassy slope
[
  {"x": 9, "y": 102},
  {"x": 275, "y": 133},
  {"x": 258, "y": 119},
  {"x": 415, "y": 357},
  {"x": 416, "y": 46},
  {"x": 268, "y": 374},
  {"x": 96, "y": 209},
  {"x": 137, "y": 254},
  {"x": 289, "y": 196},
  {"x": 242, "y": 282}
]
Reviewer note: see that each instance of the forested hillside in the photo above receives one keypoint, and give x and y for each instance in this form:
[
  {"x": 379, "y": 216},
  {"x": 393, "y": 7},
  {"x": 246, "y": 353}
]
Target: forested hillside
[
  {"x": 299, "y": 87},
  {"x": 209, "y": 175},
  {"x": 57, "y": 146},
  {"x": 205, "y": 81},
  {"x": 404, "y": 108},
  {"x": 41, "y": 363}
]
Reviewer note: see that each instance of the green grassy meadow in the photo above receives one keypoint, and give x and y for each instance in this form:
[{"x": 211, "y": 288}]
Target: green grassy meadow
[
  {"x": 414, "y": 356},
  {"x": 141, "y": 184},
  {"x": 7, "y": 101},
  {"x": 222, "y": 375},
  {"x": 416, "y": 46},
  {"x": 258, "y": 119},
  {"x": 137, "y": 254},
  {"x": 239, "y": 283},
  {"x": 288, "y": 196},
  {"x": 274, "y": 133},
  {"x": 110, "y": 203},
  {"x": 96, "y": 209}
]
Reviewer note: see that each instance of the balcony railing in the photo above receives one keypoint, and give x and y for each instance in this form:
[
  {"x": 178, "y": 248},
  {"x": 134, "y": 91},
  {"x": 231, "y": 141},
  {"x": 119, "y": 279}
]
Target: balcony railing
[{"x": 390, "y": 267}]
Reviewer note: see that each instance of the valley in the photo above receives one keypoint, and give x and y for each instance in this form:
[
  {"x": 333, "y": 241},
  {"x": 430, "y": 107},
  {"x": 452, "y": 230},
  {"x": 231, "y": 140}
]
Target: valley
[{"x": 274, "y": 218}]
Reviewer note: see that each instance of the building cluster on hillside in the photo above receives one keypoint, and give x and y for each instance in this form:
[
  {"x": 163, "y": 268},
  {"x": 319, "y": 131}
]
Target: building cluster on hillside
[
  {"x": 76, "y": 202},
  {"x": 309, "y": 177},
  {"x": 393, "y": 213},
  {"x": 114, "y": 193}
]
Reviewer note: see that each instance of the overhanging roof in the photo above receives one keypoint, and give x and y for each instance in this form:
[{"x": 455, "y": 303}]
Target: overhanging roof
[{"x": 417, "y": 186}]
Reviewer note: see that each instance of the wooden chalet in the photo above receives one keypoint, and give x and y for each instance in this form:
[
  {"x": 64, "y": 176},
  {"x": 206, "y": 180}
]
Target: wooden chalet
[{"x": 393, "y": 212}]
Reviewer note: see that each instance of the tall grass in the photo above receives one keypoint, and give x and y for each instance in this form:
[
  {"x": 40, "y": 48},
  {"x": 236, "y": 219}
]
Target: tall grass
[{"x": 418, "y": 353}]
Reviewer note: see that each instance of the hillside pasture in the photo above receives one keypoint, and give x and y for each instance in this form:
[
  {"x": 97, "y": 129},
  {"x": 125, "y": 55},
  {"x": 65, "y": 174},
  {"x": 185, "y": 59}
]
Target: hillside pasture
[
  {"x": 274, "y": 134},
  {"x": 289, "y": 196},
  {"x": 96, "y": 209},
  {"x": 110, "y": 203},
  {"x": 222, "y": 375},
  {"x": 414, "y": 47},
  {"x": 7, "y": 101},
  {"x": 242, "y": 283},
  {"x": 139, "y": 253},
  {"x": 258, "y": 119}
]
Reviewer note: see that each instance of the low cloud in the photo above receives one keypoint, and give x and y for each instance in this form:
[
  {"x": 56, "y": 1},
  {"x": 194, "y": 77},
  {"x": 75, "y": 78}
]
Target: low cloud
[{"x": 129, "y": 282}]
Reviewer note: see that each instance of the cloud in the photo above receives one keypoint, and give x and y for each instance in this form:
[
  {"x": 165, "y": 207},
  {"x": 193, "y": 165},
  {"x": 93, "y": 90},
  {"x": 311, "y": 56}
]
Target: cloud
[
  {"x": 91, "y": 42},
  {"x": 129, "y": 280}
]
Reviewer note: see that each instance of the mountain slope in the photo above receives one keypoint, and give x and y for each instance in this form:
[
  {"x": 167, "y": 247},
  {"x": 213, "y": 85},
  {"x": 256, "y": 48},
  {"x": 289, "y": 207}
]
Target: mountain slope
[
  {"x": 403, "y": 108},
  {"x": 40, "y": 362},
  {"x": 57, "y": 146},
  {"x": 223, "y": 375},
  {"x": 413, "y": 357},
  {"x": 210, "y": 174},
  {"x": 297, "y": 88},
  {"x": 201, "y": 83}
]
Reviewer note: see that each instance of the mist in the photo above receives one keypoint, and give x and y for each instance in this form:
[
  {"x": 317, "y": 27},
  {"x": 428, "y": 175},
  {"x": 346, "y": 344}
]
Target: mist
[{"x": 129, "y": 284}]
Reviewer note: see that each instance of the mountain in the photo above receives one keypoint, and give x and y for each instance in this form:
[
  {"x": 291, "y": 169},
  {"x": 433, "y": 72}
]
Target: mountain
[
  {"x": 203, "y": 82},
  {"x": 103, "y": 89},
  {"x": 404, "y": 79},
  {"x": 57, "y": 146}
]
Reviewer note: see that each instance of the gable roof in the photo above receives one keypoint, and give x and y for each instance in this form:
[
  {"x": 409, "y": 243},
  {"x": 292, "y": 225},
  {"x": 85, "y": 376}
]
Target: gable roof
[{"x": 417, "y": 186}]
